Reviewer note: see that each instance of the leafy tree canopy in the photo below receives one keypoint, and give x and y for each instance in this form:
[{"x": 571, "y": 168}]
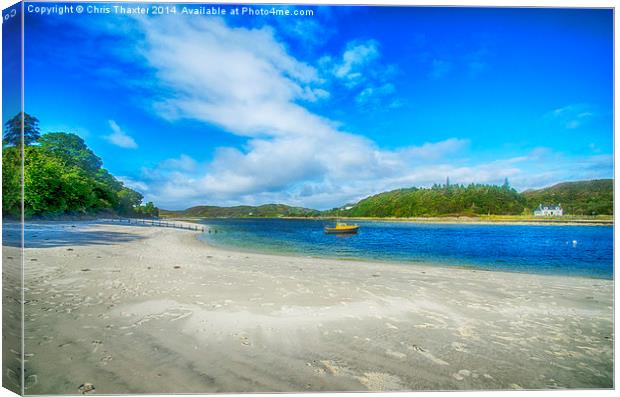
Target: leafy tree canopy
[
  {"x": 71, "y": 149},
  {"x": 61, "y": 175},
  {"x": 13, "y": 130}
]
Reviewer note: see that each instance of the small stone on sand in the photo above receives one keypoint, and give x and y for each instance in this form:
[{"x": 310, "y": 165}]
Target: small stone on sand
[{"x": 86, "y": 388}]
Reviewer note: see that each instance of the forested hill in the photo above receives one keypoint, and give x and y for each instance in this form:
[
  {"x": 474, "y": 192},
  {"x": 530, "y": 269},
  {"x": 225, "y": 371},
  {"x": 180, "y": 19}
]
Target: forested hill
[
  {"x": 62, "y": 176},
  {"x": 577, "y": 198},
  {"x": 439, "y": 200},
  {"x": 242, "y": 211}
]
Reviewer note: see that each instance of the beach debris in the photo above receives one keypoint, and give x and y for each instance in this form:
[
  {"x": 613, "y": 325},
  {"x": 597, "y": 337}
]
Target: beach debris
[
  {"x": 86, "y": 270},
  {"x": 69, "y": 249},
  {"x": 177, "y": 267},
  {"x": 86, "y": 388}
]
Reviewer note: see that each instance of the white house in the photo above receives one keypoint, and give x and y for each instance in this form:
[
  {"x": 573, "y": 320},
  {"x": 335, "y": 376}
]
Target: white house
[{"x": 549, "y": 210}]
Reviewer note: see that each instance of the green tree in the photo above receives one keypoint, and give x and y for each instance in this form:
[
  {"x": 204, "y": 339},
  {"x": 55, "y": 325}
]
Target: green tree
[
  {"x": 13, "y": 130},
  {"x": 61, "y": 175},
  {"x": 147, "y": 210},
  {"x": 440, "y": 200},
  {"x": 128, "y": 200},
  {"x": 72, "y": 150},
  {"x": 11, "y": 181},
  {"x": 44, "y": 184}
]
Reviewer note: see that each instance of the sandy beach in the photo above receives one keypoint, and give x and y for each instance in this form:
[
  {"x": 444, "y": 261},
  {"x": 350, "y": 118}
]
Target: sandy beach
[{"x": 135, "y": 309}]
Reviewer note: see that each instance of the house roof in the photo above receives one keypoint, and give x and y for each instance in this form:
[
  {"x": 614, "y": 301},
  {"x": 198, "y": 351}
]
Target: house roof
[{"x": 549, "y": 207}]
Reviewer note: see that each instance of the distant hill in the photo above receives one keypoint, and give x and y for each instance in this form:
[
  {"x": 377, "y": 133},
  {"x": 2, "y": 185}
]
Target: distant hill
[
  {"x": 241, "y": 211},
  {"x": 439, "y": 200},
  {"x": 577, "y": 198},
  {"x": 593, "y": 197}
]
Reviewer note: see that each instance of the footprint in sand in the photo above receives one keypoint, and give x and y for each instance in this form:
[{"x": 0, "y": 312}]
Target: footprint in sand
[
  {"x": 30, "y": 381},
  {"x": 12, "y": 375},
  {"x": 428, "y": 355},
  {"x": 104, "y": 360},
  {"x": 462, "y": 374},
  {"x": 96, "y": 344},
  {"x": 459, "y": 347}
]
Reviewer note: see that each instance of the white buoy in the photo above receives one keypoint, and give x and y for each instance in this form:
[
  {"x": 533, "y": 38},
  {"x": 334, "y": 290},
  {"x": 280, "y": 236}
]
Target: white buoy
[{"x": 574, "y": 243}]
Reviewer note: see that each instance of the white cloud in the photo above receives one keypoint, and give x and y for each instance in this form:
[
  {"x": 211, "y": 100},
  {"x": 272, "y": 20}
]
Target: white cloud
[
  {"x": 373, "y": 95},
  {"x": 183, "y": 163},
  {"x": 241, "y": 79},
  {"x": 358, "y": 69},
  {"x": 134, "y": 184},
  {"x": 356, "y": 56},
  {"x": 358, "y": 65},
  {"x": 437, "y": 150},
  {"x": 119, "y": 137},
  {"x": 572, "y": 116},
  {"x": 440, "y": 68}
]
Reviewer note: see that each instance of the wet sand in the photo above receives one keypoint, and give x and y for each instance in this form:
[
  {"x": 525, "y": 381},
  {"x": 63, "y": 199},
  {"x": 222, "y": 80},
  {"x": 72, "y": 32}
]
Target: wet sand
[{"x": 144, "y": 309}]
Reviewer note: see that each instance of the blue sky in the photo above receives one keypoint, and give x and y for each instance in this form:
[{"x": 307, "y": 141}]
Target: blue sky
[{"x": 323, "y": 110}]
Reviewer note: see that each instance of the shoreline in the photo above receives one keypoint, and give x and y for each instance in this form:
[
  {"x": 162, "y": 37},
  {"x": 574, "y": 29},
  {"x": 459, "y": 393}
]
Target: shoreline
[
  {"x": 433, "y": 220},
  {"x": 147, "y": 309}
]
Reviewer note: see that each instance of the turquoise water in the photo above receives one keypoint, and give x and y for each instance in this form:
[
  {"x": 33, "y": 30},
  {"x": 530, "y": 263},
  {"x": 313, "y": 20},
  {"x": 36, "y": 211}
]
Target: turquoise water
[{"x": 566, "y": 250}]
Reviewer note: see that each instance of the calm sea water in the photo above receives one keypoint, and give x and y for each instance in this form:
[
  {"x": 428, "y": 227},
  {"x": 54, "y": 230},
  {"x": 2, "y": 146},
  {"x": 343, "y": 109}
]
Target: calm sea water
[{"x": 567, "y": 250}]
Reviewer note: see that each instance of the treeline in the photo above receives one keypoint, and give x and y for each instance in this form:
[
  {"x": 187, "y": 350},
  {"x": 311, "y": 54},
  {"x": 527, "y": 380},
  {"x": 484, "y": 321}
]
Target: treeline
[
  {"x": 62, "y": 176},
  {"x": 243, "y": 211},
  {"x": 439, "y": 200},
  {"x": 595, "y": 197}
]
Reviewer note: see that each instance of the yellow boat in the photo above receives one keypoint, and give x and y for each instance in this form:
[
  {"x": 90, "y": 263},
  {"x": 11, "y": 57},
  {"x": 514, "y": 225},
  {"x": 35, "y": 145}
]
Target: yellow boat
[{"x": 342, "y": 228}]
